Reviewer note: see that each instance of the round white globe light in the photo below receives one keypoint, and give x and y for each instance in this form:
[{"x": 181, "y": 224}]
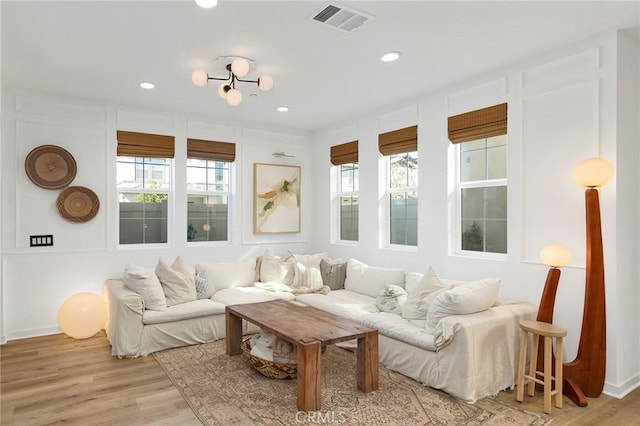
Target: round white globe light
[
  {"x": 199, "y": 77},
  {"x": 265, "y": 82},
  {"x": 593, "y": 172},
  {"x": 555, "y": 255},
  {"x": 234, "y": 97},
  {"x": 207, "y": 4},
  {"x": 240, "y": 67},
  {"x": 82, "y": 315},
  {"x": 390, "y": 56},
  {"x": 222, "y": 92}
]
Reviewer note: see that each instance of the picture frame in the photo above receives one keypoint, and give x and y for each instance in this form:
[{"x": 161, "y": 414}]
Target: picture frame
[{"x": 276, "y": 198}]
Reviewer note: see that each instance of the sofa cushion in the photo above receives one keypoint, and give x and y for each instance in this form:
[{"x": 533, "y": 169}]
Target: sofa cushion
[
  {"x": 391, "y": 299},
  {"x": 229, "y": 275},
  {"x": 204, "y": 286},
  {"x": 178, "y": 285},
  {"x": 279, "y": 269},
  {"x": 370, "y": 280},
  {"x": 146, "y": 283},
  {"x": 307, "y": 270},
  {"x": 193, "y": 309},
  {"x": 420, "y": 298},
  {"x": 240, "y": 295},
  {"x": 333, "y": 272},
  {"x": 464, "y": 299}
]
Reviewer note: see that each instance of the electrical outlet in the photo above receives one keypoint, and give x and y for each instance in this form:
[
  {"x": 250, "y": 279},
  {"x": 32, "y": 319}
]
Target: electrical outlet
[{"x": 41, "y": 240}]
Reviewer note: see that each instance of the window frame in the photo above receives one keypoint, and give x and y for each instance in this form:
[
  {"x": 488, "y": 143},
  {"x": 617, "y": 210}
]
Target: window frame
[
  {"x": 339, "y": 195},
  {"x": 169, "y": 191},
  {"x": 484, "y": 183},
  {"x": 386, "y": 199},
  {"x": 207, "y": 193}
]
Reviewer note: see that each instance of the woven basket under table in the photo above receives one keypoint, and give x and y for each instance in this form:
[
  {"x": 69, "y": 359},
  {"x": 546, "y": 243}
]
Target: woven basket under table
[{"x": 271, "y": 369}]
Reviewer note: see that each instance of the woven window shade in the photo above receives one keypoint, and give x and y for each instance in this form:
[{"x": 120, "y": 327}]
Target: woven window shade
[
  {"x": 398, "y": 141},
  {"x": 211, "y": 150},
  {"x": 344, "y": 153},
  {"x": 132, "y": 144},
  {"x": 478, "y": 124}
]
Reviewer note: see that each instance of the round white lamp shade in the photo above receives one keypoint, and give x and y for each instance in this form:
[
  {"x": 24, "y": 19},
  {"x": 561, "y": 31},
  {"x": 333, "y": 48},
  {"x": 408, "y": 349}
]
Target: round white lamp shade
[
  {"x": 265, "y": 82},
  {"x": 234, "y": 97},
  {"x": 240, "y": 67},
  {"x": 593, "y": 172},
  {"x": 555, "y": 255},
  {"x": 82, "y": 315},
  {"x": 199, "y": 77}
]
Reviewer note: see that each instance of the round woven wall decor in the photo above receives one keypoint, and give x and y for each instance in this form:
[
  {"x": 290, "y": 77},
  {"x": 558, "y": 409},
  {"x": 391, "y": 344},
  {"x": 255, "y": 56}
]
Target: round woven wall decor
[
  {"x": 50, "y": 167},
  {"x": 78, "y": 204}
]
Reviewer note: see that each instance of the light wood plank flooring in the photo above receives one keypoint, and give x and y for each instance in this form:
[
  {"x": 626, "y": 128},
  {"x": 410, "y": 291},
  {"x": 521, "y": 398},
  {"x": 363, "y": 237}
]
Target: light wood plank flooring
[{"x": 55, "y": 379}]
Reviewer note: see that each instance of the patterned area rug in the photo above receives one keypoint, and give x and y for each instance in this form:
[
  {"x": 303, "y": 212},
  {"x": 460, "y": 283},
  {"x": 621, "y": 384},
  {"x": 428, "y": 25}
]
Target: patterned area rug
[{"x": 224, "y": 390}]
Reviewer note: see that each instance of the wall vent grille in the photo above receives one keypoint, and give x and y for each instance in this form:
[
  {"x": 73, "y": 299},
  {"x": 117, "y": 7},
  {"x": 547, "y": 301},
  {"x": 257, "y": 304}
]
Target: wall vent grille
[{"x": 343, "y": 18}]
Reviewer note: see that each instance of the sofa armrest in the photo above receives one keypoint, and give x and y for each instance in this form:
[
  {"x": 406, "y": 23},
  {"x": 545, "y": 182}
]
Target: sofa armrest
[{"x": 124, "y": 322}]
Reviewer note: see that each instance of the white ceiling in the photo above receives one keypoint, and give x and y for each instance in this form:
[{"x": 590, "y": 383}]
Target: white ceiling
[{"x": 102, "y": 50}]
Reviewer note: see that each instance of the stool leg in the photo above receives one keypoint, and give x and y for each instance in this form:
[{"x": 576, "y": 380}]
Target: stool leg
[
  {"x": 559, "y": 351},
  {"x": 521, "y": 364},
  {"x": 533, "y": 363},
  {"x": 547, "y": 374}
]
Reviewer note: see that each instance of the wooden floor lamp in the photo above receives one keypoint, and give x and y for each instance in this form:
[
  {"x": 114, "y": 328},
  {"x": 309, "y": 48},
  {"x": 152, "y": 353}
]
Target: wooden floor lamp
[{"x": 584, "y": 376}]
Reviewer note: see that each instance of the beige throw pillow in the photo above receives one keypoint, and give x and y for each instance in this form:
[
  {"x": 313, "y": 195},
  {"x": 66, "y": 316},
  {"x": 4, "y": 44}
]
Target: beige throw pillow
[
  {"x": 177, "y": 282},
  {"x": 145, "y": 282},
  {"x": 307, "y": 270},
  {"x": 333, "y": 272},
  {"x": 279, "y": 269},
  {"x": 419, "y": 300},
  {"x": 391, "y": 299}
]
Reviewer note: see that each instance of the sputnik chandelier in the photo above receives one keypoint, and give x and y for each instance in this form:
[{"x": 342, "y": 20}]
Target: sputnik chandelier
[{"x": 238, "y": 68}]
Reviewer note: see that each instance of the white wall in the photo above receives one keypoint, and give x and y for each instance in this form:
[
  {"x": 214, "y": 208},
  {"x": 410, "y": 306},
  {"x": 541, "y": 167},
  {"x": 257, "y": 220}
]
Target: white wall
[
  {"x": 562, "y": 108},
  {"x": 37, "y": 280}
]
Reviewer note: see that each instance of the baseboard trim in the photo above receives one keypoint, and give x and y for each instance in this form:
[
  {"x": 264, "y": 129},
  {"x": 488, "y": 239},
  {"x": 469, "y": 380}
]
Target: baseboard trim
[
  {"x": 620, "y": 391},
  {"x": 25, "y": 334}
]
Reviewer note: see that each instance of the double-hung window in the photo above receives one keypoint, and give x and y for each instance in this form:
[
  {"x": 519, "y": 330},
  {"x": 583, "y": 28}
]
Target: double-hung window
[
  {"x": 143, "y": 174},
  {"x": 400, "y": 149},
  {"x": 481, "y": 179},
  {"x": 209, "y": 174},
  {"x": 345, "y": 159}
]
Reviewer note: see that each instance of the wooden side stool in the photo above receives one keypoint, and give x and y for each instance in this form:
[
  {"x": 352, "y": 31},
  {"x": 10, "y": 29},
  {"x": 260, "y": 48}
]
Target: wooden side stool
[{"x": 549, "y": 332}]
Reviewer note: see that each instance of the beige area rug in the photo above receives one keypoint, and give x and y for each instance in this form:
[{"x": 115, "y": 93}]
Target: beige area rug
[{"x": 226, "y": 390}]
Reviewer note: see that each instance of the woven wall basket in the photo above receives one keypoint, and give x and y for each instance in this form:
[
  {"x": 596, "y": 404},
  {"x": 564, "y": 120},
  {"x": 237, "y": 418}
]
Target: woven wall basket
[
  {"x": 78, "y": 204},
  {"x": 50, "y": 167}
]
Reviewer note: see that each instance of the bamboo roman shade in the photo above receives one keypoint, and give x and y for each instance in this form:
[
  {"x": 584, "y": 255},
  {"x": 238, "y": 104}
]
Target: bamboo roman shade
[
  {"x": 478, "y": 124},
  {"x": 133, "y": 144},
  {"x": 211, "y": 150},
  {"x": 398, "y": 141},
  {"x": 344, "y": 153}
]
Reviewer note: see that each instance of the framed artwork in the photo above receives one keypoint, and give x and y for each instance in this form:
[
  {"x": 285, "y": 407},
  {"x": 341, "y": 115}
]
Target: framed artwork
[{"x": 276, "y": 198}]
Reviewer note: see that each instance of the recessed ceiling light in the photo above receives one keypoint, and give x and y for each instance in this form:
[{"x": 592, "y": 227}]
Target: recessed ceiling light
[
  {"x": 207, "y": 4},
  {"x": 390, "y": 56},
  {"x": 282, "y": 109},
  {"x": 147, "y": 85}
]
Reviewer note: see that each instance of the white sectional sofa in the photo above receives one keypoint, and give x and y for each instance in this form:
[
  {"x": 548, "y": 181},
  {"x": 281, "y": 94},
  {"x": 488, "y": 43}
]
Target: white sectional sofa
[{"x": 468, "y": 355}]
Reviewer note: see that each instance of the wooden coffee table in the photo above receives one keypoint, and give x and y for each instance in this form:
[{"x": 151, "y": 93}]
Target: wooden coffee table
[{"x": 309, "y": 329}]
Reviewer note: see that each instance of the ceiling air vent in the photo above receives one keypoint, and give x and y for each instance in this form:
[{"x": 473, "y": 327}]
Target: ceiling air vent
[{"x": 341, "y": 17}]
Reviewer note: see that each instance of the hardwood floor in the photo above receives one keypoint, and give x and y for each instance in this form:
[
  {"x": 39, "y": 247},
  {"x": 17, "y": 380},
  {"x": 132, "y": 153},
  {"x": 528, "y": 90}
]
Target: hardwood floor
[{"x": 56, "y": 379}]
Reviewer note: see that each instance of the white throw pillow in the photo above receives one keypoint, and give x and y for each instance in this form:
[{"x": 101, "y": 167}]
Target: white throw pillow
[
  {"x": 145, "y": 282},
  {"x": 421, "y": 296},
  {"x": 279, "y": 269},
  {"x": 307, "y": 270},
  {"x": 391, "y": 299},
  {"x": 229, "y": 275},
  {"x": 370, "y": 280},
  {"x": 177, "y": 282},
  {"x": 464, "y": 299}
]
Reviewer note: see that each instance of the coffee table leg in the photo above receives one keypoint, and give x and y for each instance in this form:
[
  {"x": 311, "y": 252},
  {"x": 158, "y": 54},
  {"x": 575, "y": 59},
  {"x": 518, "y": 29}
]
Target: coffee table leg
[
  {"x": 233, "y": 325},
  {"x": 368, "y": 362},
  {"x": 309, "y": 376}
]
